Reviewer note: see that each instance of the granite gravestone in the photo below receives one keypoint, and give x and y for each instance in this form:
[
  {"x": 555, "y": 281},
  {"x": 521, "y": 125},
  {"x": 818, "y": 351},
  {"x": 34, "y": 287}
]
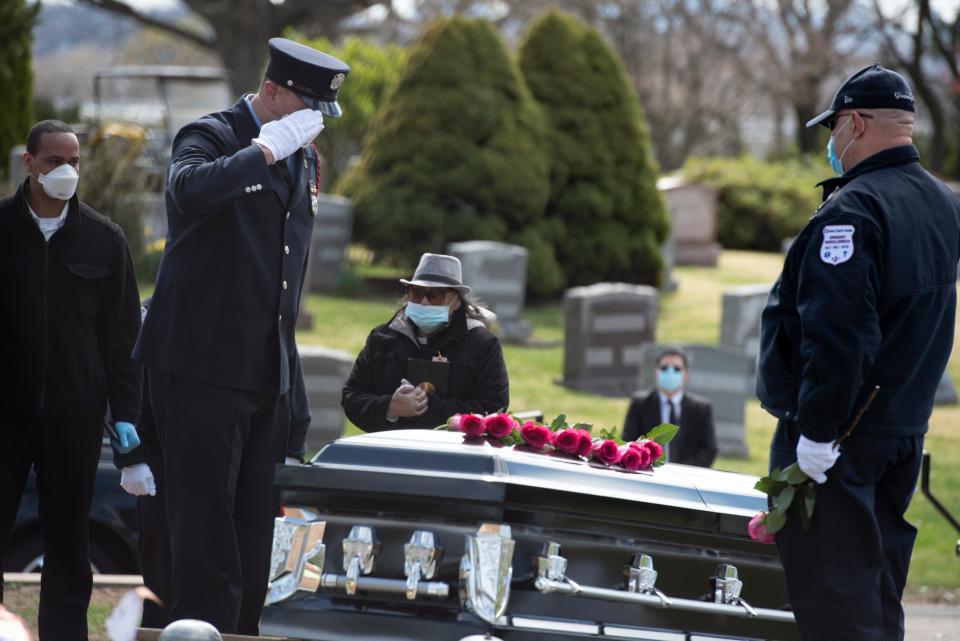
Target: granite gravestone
[
  {"x": 605, "y": 327},
  {"x": 17, "y": 172},
  {"x": 740, "y": 321},
  {"x": 332, "y": 232},
  {"x": 325, "y": 371},
  {"x": 497, "y": 275},
  {"x": 725, "y": 377},
  {"x": 693, "y": 217}
]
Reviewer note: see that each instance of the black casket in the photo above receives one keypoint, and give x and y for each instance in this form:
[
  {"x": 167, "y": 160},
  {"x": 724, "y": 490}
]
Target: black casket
[{"x": 418, "y": 535}]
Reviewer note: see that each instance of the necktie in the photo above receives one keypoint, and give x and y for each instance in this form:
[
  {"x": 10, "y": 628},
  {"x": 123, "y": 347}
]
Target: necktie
[{"x": 674, "y": 420}]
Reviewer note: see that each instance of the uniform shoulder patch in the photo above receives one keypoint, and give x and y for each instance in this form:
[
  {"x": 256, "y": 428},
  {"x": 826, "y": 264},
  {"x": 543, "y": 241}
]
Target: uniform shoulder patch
[{"x": 837, "y": 245}]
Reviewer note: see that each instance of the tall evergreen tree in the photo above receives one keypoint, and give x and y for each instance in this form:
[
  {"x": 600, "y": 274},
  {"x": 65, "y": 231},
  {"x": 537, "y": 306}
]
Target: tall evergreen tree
[
  {"x": 16, "y": 77},
  {"x": 605, "y": 216},
  {"x": 455, "y": 153}
]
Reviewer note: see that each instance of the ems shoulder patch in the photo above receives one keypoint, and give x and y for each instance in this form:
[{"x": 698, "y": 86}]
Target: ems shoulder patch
[{"x": 837, "y": 245}]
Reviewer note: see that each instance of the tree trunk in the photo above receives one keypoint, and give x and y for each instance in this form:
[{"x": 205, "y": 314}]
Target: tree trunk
[{"x": 807, "y": 138}]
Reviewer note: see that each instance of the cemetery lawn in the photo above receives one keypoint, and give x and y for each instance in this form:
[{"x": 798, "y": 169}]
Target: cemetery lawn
[{"x": 691, "y": 314}]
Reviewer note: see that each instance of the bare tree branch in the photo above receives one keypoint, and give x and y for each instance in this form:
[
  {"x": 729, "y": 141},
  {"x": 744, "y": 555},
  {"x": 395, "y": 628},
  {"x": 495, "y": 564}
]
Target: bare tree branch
[{"x": 123, "y": 9}]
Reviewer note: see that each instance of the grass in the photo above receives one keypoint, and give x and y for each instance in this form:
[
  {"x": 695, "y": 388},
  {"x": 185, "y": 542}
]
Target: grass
[{"x": 691, "y": 314}]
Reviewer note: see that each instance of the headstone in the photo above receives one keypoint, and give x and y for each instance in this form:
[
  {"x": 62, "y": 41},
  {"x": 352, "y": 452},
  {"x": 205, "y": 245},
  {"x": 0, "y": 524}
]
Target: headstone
[
  {"x": 332, "y": 231},
  {"x": 605, "y": 327},
  {"x": 722, "y": 375},
  {"x": 946, "y": 391},
  {"x": 497, "y": 275},
  {"x": 667, "y": 252},
  {"x": 325, "y": 371},
  {"x": 17, "y": 172},
  {"x": 693, "y": 216},
  {"x": 740, "y": 321}
]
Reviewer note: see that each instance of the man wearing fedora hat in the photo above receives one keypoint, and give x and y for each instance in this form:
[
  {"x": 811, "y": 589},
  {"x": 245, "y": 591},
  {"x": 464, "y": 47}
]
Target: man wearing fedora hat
[
  {"x": 866, "y": 300},
  {"x": 219, "y": 344},
  {"x": 439, "y": 334}
]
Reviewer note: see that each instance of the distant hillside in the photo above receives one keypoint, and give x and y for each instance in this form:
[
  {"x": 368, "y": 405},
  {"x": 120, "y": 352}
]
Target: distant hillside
[{"x": 62, "y": 27}]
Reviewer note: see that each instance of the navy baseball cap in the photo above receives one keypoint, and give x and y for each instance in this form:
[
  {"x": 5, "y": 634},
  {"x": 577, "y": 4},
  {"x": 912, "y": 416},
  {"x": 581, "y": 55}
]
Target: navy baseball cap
[
  {"x": 313, "y": 75},
  {"x": 873, "y": 87}
]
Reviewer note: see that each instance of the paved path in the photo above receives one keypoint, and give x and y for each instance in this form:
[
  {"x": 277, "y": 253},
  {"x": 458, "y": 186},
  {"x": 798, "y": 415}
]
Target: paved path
[{"x": 932, "y": 622}]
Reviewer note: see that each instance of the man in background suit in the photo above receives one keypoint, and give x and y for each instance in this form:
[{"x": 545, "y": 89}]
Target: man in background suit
[{"x": 696, "y": 442}]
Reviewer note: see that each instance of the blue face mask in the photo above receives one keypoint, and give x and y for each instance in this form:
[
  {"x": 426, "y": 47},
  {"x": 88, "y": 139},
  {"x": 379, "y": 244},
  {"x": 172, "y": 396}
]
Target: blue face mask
[
  {"x": 836, "y": 163},
  {"x": 669, "y": 380},
  {"x": 429, "y": 318}
]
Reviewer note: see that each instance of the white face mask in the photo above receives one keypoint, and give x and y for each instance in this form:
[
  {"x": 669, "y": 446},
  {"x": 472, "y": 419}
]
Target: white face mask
[{"x": 61, "y": 183}]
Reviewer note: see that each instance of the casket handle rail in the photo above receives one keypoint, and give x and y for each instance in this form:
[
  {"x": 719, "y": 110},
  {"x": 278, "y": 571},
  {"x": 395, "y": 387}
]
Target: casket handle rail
[{"x": 640, "y": 589}]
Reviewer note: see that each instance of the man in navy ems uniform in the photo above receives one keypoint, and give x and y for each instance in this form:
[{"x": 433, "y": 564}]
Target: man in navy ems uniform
[
  {"x": 218, "y": 341},
  {"x": 867, "y": 298}
]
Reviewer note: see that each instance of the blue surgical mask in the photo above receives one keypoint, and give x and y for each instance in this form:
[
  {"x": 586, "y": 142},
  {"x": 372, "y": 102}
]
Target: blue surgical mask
[
  {"x": 428, "y": 318},
  {"x": 836, "y": 163},
  {"x": 670, "y": 379}
]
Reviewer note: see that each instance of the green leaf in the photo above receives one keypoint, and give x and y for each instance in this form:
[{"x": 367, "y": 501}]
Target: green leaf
[
  {"x": 583, "y": 426},
  {"x": 796, "y": 476},
  {"x": 809, "y": 499},
  {"x": 768, "y": 486},
  {"x": 559, "y": 423},
  {"x": 778, "y": 475},
  {"x": 663, "y": 433},
  {"x": 775, "y": 520},
  {"x": 784, "y": 498},
  {"x": 659, "y": 462},
  {"x": 608, "y": 434}
]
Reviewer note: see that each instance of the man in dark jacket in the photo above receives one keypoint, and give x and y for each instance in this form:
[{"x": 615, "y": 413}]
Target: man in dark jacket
[
  {"x": 696, "y": 441},
  {"x": 69, "y": 315},
  {"x": 219, "y": 342},
  {"x": 866, "y": 299},
  {"x": 440, "y": 335},
  {"x": 142, "y": 476}
]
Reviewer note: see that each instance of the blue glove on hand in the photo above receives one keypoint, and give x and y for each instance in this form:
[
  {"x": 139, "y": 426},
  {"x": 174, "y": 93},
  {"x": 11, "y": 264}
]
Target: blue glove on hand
[{"x": 127, "y": 438}]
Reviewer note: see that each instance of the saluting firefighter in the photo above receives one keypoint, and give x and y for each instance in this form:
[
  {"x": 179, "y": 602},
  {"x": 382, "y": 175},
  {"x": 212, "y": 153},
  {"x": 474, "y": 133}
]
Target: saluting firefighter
[
  {"x": 866, "y": 298},
  {"x": 69, "y": 316},
  {"x": 218, "y": 341}
]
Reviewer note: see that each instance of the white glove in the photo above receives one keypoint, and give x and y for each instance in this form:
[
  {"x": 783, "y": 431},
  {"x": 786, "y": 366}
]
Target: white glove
[
  {"x": 138, "y": 480},
  {"x": 816, "y": 458},
  {"x": 283, "y": 137},
  {"x": 291, "y": 461}
]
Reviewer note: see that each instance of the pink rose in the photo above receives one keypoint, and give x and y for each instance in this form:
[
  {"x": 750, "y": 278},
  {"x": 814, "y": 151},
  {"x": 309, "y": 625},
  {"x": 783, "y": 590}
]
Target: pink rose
[
  {"x": 586, "y": 443},
  {"x": 536, "y": 436},
  {"x": 567, "y": 441},
  {"x": 757, "y": 528},
  {"x": 630, "y": 458},
  {"x": 471, "y": 424},
  {"x": 607, "y": 452},
  {"x": 656, "y": 450},
  {"x": 498, "y": 425},
  {"x": 453, "y": 423}
]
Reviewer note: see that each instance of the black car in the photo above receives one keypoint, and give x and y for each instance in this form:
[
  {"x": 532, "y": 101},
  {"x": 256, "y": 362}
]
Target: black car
[
  {"x": 113, "y": 526},
  {"x": 418, "y": 535}
]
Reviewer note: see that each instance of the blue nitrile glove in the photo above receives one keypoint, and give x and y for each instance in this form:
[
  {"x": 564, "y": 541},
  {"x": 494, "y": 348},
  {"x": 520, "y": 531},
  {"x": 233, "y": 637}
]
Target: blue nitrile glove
[{"x": 127, "y": 437}]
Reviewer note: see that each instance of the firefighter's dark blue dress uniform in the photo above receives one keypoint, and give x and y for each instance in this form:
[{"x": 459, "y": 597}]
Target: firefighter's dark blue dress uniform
[
  {"x": 867, "y": 297},
  {"x": 219, "y": 342}
]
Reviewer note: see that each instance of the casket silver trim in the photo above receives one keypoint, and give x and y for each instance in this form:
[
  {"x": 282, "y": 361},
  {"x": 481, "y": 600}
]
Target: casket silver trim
[
  {"x": 486, "y": 570},
  {"x": 297, "y": 554}
]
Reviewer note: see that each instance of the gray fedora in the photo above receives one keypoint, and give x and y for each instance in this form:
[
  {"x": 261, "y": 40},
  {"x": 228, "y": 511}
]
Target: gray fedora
[{"x": 438, "y": 270}]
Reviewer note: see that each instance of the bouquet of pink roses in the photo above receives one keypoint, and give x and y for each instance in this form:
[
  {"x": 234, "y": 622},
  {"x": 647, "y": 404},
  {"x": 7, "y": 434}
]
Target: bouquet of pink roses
[{"x": 560, "y": 438}]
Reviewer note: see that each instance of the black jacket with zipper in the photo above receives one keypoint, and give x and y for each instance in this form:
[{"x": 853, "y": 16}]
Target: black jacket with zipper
[
  {"x": 477, "y": 380},
  {"x": 69, "y": 316},
  {"x": 879, "y": 314}
]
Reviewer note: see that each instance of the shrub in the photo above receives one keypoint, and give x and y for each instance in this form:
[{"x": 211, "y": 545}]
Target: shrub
[
  {"x": 455, "y": 153},
  {"x": 16, "y": 76},
  {"x": 761, "y": 202},
  {"x": 606, "y": 217}
]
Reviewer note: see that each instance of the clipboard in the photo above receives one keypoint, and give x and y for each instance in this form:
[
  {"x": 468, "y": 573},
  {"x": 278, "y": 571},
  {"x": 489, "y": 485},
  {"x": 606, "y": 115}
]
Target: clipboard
[{"x": 421, "y": 370}]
